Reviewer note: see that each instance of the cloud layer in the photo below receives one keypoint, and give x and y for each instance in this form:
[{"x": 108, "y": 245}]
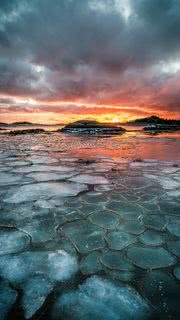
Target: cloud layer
[{"x": 77, "y": 56}]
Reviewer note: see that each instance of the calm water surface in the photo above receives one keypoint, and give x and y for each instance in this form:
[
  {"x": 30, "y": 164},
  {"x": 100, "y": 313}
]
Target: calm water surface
[{"x": 131, "y": 145}]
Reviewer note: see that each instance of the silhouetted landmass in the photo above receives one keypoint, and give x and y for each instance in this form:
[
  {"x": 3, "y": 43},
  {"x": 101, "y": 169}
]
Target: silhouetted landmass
[
  {"x": 88, "y": 125},
  {"x": 23, "y": 123},
  {"x": 153, "y": 120},
  {"x": 27, "y": 131},
  {"x": 16, "y": 124},
  {"x": 91, "y": 127}
]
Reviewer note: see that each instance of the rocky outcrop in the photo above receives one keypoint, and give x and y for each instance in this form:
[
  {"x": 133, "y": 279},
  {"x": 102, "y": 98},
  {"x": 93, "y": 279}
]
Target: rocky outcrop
[
  {"x": 91, "y": 127},
  {"x": 27, "y": 131},
  {"x": 158, "y": 128}
]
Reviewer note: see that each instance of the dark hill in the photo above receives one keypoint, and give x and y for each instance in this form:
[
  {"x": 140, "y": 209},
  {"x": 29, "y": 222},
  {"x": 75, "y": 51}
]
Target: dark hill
[
  {"x": 23, "y": 123},
  {"x": 91, "y": 127},
  {"x": 153, "y": 120}
]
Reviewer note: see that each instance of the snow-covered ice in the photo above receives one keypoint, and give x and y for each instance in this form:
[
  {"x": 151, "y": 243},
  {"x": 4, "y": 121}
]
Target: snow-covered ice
[
  {"x": 12, "y": 241},
  {"x": 56, "y": 265},
  {"x": 35, "y": 292},
  {"x": 33, "y": 192},
  {"x": 89, "y": 179},
  {"x": 99, "y": 298}
]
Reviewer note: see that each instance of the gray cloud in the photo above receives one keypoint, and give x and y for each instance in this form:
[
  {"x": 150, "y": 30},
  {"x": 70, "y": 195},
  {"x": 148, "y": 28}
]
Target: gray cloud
[{"x": 88, "y": 50}]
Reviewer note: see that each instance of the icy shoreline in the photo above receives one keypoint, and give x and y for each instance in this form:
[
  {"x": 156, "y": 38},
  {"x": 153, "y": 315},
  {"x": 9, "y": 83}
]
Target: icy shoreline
[{"x": 90, "y": 233}]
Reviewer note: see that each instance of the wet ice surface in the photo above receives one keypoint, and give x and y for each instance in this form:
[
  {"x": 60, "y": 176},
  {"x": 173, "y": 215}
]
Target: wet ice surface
[
  {"x": 89, "y": 235},
  {"x": 101, "y": 299}
]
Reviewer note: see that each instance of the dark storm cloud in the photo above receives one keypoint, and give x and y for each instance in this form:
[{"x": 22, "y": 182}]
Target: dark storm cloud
[
  {"x": 4, "y": 41},
  {"x": 7, "y": 5},
  {"x": 159, "y": 27},
  {"x": 87, "y": 49}
]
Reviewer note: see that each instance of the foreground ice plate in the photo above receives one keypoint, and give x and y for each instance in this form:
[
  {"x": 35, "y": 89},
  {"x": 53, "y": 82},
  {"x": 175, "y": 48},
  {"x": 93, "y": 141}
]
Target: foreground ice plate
[
  {"x": 56, "y": 265},
  {"x": 7, "y": 298},
  {"x": 36, "y": 290},
  {"x": 87, "y": 249},
  {"x": 99, "y": 298},
  {"x": 33, "y": 192},
  {"x": 12, "y": 240},
  {"x": 89, "y": 179},
  {"x": 150, "y": 258}
]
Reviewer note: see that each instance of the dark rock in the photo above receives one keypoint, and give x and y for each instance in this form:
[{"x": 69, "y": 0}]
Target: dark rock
[
  {"x": 27, "y": 131},
  {"x": 23, "y": 123},
  {"x": 157, "y": 128},
  {"x": 91, "y": 127}
]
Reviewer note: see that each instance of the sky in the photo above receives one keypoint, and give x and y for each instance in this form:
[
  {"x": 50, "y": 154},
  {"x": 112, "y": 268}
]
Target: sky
[{"x": 109, "y": 60}]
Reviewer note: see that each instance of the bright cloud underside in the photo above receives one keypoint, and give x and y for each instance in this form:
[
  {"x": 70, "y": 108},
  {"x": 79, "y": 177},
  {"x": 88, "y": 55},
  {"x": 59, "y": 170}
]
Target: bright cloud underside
[{"x": 112, "y": 60}]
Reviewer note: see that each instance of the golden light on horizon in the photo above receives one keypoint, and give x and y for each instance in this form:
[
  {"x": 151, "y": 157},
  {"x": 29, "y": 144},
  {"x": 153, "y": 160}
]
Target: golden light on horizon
[
  {"x": 115, "y": 119},
  {"x": 29, "y": 109}
]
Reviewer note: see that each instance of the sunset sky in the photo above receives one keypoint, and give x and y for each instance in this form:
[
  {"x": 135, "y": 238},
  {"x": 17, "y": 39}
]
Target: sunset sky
[{"x": 110, "y": 60}]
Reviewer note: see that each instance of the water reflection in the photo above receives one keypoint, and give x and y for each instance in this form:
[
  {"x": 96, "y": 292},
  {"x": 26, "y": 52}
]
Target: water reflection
[{"x": 131, "y": 145}]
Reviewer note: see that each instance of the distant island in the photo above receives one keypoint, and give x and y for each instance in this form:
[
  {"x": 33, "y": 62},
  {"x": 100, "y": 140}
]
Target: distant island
[
  {"x": 155, "y": 125},
  {"x": 26, "y": 131},
  {"x": 153, "y": 120},
  {"x": 24, "y": 123},
  {"x": 151, "y": 125},
  {"x": 27, "y": 124},
  {"x": 91, "y": 127},
  {"x": 16, "y": 124}
]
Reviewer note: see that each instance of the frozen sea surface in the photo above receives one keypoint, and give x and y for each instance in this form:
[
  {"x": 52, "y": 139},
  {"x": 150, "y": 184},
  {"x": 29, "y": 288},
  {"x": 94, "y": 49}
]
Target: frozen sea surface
[{"x": 89, "y": 228}]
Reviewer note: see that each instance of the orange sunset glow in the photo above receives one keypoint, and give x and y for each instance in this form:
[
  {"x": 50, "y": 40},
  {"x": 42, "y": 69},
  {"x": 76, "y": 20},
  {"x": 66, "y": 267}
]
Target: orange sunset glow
[
  {"x": 55, "y": 112},
  {"x": 89, "y": 159},
  {"x": 106, "y": 61}
]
